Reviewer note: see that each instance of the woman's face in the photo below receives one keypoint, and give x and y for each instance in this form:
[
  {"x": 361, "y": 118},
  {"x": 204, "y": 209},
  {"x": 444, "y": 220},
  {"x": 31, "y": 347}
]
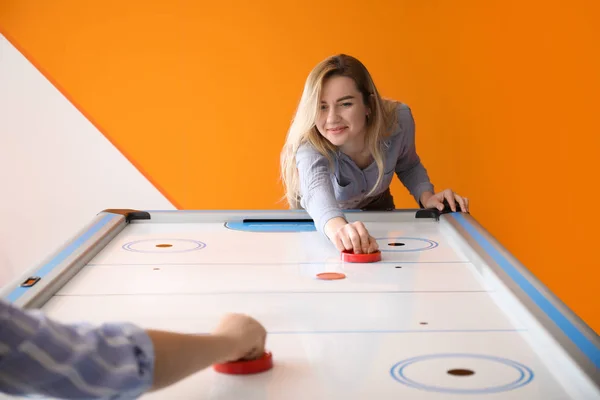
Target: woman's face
[{"x": 342, "y": 113}]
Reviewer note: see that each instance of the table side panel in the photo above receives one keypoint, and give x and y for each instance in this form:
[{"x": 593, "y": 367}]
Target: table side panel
[
  {"x": 529, "y": 299},
  {"x": 65, "y": 263}
]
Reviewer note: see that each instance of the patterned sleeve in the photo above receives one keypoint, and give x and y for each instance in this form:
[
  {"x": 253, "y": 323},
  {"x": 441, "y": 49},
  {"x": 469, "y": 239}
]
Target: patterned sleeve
[{"x": 45, "y": 357}]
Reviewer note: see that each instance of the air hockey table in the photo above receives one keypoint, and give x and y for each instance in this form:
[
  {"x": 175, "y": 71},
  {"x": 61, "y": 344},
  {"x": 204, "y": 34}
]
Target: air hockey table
[{"x": 446, "y": 313}]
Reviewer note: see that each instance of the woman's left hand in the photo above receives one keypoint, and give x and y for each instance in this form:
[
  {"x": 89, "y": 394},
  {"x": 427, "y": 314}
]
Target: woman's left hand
[{"x": 437, "y": 201}]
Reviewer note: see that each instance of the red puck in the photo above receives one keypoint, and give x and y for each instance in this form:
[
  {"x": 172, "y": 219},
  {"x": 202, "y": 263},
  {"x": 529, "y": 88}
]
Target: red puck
[
  {"x": 244, "y": 367},
  {"x": 329, "y": 276},
  {"x": 350, "y": 256}
]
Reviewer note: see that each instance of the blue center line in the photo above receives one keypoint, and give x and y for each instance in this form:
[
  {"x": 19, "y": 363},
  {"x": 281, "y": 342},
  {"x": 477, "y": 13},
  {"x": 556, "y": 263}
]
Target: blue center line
[
  {"x": 258, "y": 263},
  {"x": 384, "y": 331},
  {"x": 260, "y": 292}
]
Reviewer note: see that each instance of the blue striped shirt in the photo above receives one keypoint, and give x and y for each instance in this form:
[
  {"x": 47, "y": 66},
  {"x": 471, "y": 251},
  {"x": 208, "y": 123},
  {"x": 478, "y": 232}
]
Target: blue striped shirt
[{"x": 72, "y": 361}]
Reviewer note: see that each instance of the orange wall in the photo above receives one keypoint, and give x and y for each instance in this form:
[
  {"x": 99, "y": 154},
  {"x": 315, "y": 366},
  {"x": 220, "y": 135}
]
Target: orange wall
[{"x": 199, "y": 98}]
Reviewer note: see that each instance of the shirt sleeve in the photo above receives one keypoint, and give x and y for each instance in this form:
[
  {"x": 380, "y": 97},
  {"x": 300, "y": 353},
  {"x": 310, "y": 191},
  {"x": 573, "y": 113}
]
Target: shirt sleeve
[
  {"x": 316, "y": 190},
  {"x": 409, "y": 168},
  {"x": 45, "y": 357}
]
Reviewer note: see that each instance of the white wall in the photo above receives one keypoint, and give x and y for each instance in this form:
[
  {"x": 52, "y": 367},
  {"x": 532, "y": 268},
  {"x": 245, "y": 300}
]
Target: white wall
[{"x": 57, "y": 171}]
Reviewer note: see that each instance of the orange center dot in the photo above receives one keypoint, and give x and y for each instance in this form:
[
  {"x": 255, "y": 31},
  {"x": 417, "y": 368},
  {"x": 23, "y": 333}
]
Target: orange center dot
[{"x": 164, "y": 245}]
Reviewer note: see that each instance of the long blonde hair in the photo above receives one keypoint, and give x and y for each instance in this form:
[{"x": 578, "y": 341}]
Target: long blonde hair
[{"x": 303, "y": 127}]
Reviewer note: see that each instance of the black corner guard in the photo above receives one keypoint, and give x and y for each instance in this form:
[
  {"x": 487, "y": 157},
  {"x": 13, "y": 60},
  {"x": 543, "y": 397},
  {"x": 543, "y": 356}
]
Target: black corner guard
[
  {"x": 434, "y": 212},
  {"x": 130, "y": 215}
]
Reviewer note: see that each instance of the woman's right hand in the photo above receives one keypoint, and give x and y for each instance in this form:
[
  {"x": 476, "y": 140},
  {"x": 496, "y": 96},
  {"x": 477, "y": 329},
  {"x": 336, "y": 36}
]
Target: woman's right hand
[{"x": 350, "y": 236}]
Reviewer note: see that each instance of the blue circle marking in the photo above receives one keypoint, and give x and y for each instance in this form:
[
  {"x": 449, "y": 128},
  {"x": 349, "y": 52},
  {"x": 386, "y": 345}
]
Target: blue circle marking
[
  {"x": 429, "y": 244},
  {"x": 525, "y": 374},
  {"x": 197, "y": 246}
]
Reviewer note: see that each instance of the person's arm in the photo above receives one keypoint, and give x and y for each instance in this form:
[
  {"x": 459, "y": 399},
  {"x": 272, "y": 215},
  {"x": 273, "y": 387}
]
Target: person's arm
[
  {"x": 116, "y": 361},
  {"x": 333, "y": 225},
  {"x": 409, "y": 168},
  {"x": 425, "y": 196},
  {"x": 318, "y": 199},
  {"x": 317, "y": 195},
  {"x": 67, "y": 361},
  {"x": 181, "y": 355},
  {"x": 178, "y": 356},
  {"x": 413, "y": 174}
]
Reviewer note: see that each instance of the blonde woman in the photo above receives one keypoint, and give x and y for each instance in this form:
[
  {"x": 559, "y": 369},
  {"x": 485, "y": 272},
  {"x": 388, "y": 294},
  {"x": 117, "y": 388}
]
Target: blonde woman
[{"x": 343, "y": 148}]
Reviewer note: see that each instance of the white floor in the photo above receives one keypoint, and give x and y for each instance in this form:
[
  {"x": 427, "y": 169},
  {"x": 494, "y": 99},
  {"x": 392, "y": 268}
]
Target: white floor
[
  {"x": 382, "y": 333},
  {"x": 57, "y": 169}
]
